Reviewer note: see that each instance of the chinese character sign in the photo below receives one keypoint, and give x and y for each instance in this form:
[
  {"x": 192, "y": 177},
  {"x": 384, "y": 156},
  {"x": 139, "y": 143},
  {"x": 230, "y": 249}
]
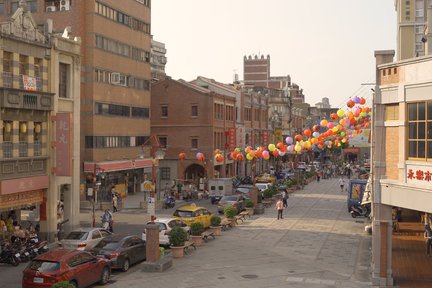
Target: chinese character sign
[
  {"x": 231, "y": 138},
  {"x": 63, "y": 144},
  {"x": 419, "y": 175}
]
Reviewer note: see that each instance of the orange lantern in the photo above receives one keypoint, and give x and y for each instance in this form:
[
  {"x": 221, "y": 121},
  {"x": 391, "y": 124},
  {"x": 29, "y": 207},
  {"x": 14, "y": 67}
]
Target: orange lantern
[{"x": 182, "y": 156}]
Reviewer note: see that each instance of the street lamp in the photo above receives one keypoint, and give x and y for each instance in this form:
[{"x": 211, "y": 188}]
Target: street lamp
[
  {"x": 96, "y": 171},
  {"x": 156, "y": 156}
]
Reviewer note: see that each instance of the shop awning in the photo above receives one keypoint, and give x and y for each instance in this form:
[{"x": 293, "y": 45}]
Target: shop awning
[
  {"x": 351, "y": 150},
  {"x": 110, "y": 166}
]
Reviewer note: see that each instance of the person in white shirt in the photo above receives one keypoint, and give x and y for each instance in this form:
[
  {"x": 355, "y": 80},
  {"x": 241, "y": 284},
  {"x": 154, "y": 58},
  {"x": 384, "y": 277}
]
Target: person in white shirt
[{"x": 341, "y": 183}]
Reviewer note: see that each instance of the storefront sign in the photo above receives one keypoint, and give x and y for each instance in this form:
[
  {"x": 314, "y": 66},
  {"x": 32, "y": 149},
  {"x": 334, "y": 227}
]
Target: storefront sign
[
  {"x": 231, "y": 138},
  {"x": 20, "y": 199},
  {"x": 63, "y": 144},
  {"x": 278, "y": 135},
  {"x": 13, "y": 186},
  {"x": 264, "y": 139},
  {"x": 420, "y": 175}
]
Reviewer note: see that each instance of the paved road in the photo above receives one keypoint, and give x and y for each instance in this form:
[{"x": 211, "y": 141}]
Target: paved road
[{"x": 317, "y": 244}]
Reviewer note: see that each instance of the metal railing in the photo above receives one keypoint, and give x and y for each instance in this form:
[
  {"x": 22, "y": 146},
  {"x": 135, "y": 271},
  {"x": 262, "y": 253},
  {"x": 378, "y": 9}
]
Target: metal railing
[
  {"x": 23, "y": 149},
  {"x": 37, "y": 148},
  {"x": 7, "y": 149}
]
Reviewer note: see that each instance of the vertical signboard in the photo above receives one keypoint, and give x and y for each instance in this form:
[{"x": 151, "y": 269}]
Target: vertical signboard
[
  {"x": 264, "y": 140},
  {"x": 63, "y": 144},
  {"x": 232, "y": 138}
]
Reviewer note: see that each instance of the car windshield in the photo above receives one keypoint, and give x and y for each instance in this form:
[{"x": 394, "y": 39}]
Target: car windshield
[
  {"x": 108, "y": 244},
  {"x": 44, "y": 266},
  {"x": 77, "y": 235},
  {"x": 242, "y": 190},
  {"x": 229, "y": 198},
  {"x": 182, "y": 213}
]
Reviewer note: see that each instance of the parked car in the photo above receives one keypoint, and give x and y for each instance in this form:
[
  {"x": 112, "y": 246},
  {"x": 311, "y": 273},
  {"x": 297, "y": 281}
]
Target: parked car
[
  {"x": 191, "y": 214},
  {"x": 265, "y": 178},
  {"x": 165, "y": 226},
  {"x": 122, "y": 251},
  {"x": 79, "y": 268},
  {"x": 285, "y": 174},
  {"x": 263, "y": 186},
  {"x": 84, "y": 238},
  {"x": 235, "y": 200}
]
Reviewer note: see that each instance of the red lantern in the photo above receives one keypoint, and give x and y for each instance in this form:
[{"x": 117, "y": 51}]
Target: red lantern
[
  {"x": 240, "y": 157},
  {"x": 298, "y": 137},
  {"x": 307, "y": 132},
  {"x": 182, "y": 156},
  {"x": 316, "y": 128},
  {"x": 275, "y": 153}
]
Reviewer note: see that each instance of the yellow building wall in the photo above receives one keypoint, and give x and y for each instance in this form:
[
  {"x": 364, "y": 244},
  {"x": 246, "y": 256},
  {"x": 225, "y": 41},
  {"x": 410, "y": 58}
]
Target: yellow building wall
[{"x": 392, "y": 152}]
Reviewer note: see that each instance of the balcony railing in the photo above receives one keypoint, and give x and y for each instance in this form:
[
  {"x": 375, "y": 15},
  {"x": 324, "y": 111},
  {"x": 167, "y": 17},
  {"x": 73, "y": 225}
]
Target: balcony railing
[
  {"x": 7, "y": 149},
  {"x": 23, "y": 149}
]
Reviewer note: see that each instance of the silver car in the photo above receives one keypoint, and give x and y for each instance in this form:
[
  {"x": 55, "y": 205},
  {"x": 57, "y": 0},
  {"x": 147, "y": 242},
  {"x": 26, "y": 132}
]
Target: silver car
[{"x": 84, "y": 238}]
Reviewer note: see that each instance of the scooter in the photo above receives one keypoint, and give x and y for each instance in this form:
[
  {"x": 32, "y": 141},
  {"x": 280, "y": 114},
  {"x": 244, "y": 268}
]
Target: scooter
[
  {"x": 360, "y": 211},
  {"x": 169, "y": 202},
  {"x": 9, "y": 256}
]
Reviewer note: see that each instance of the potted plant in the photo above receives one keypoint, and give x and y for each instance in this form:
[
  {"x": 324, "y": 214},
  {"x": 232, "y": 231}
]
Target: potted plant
[
  {"x": 230, "y": 212},
  {"x": 215, "y": 226},
  {"x": 177, "y": 237},
  {"x": 63, "y": 284},
  {"x": 249, "y": 206},
  {"x": 196, "y": 229}
]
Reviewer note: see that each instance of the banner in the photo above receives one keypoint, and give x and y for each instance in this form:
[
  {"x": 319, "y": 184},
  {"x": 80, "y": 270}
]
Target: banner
[
  {"x": 29, "y": 83},
  {"x": 63, "y": 144}
]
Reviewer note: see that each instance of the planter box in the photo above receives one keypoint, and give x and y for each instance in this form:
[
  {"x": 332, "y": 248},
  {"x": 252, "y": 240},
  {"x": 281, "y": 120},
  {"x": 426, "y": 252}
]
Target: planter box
[
  {"x": 217, "y": 230},
  {"x": 177, "y": 252},
  {"x": 198, "y": 240}
]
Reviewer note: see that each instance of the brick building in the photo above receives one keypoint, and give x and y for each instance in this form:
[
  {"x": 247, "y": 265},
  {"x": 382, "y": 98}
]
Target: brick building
[
  {"x": 115, "y": 86},
  {"x": 191, "y": 119}
]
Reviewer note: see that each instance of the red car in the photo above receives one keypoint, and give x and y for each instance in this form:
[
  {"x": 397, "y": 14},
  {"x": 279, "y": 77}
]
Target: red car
[{"x": 79, "y": 268}]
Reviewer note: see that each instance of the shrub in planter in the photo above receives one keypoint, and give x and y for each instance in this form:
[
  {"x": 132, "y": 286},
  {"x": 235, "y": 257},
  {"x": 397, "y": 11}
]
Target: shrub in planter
[
  {"x": 196, "y": 229},
  {"x": 249, "y": 203},
  {"x": 230, "y": 211},
  {"x": 215, "y": 220},
  {"x": 177, "y": 236},
  {"x": 63, "y": 284},
  {"x": 161, "y": 251}
]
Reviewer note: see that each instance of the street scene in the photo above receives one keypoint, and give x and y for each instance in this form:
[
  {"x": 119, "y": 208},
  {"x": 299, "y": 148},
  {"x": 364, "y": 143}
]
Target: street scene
[
  {"x": 198, "y": 143},
  {"x": 316, "y": 244}
]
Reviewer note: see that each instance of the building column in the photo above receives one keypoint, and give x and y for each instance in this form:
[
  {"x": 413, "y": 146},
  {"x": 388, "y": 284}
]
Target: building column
[{"x": 382, "y": 273}]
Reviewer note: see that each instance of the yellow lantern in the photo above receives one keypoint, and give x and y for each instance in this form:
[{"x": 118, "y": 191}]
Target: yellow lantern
[
  {"x": 23, "y": 127},
  {"x": 8, "y": 127},
  {"x": 38, "y": 128}
]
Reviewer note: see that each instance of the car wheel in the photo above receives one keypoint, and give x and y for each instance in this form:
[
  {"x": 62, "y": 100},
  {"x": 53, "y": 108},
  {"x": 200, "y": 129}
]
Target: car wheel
[
  {"x": 125, "y": 265},
  {"x": 74, "y": 284},
  {"x": 105, "y": 276}
]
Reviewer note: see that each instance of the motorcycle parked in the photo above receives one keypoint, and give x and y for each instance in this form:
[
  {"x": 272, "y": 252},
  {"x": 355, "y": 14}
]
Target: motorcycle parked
[
  {"x": 169, "y": 202},
  {"x": 360, "y": 210},
  {"x": 9, "y": 256}
]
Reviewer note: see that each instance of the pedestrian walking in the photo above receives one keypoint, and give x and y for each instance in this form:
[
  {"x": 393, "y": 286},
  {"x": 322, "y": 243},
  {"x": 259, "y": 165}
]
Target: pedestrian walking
[
  {"x": 285, "y": 197},
  {"x": 341, "y": 183},
  {"x": 428, "y": 235},
  {"x": 115, "y": 203},
  {"x": 318, "y": 175},
  {"x": 279, "y": 207}
]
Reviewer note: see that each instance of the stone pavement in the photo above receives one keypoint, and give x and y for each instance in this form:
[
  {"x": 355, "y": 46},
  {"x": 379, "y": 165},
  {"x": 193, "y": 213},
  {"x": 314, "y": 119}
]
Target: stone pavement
[{"x": 317, "y": 244}]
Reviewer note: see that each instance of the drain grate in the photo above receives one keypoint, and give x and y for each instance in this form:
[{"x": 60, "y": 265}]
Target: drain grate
[{"x": 250, "y": 276}]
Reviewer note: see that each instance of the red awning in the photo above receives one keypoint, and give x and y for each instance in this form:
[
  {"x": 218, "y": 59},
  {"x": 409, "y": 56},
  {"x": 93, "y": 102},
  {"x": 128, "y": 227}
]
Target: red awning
[
  {"x": 351, "y": 150},
  {"x": 109, "y": 166}
]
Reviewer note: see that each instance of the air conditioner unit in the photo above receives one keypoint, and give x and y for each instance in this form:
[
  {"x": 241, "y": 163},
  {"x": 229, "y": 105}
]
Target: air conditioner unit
[
  {"x": 64, "y": 5},
  {"x": 51, "y": 8}
]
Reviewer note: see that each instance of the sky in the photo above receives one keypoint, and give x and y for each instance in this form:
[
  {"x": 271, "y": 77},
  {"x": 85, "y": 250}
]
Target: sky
[{"x": 326, "y": 46}]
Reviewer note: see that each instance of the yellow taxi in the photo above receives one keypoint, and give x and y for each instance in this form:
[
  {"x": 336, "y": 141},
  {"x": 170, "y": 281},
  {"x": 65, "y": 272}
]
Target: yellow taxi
[
  {"x": 265, "y": 178},
  {"x": 193, "y": 214}
]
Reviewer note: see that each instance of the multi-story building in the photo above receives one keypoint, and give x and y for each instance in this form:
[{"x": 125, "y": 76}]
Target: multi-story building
[
  {"x": 401, "y": 143},
  {"x": 40, "y": 102},
  {"x": 115, "y": 87},
  {"x": 158, "y": 60},
  {"x": 411, "y": 33},
  {"x": 192, "y": 119}
]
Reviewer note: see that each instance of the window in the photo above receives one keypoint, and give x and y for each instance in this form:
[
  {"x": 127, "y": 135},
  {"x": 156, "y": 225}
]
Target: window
[
  {"x": 164, "y": 111},
  {"x": 1, "y": 8},
  {"x": 165, "y": 173},
  {"x": 194, "y": 143},
  {"x": 391, "y": 112},
  {"x": 140, "y": 112},
  {"x": 7, "y": 62},
  {"x": 37, "y": 67},
  {"x": 23, "y": 65},
  {"x": 420, "y": 130},
  {"x": 63, "y": 80},
  {"x": 194, "y": 111},
  {"x": 7, "y": 131},
  {"x": 163, "y": 142}
]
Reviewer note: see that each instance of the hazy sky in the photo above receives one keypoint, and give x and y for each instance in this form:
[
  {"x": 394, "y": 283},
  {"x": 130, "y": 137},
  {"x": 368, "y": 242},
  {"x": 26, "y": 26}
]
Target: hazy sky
[{"x": 326, "y": 46}]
